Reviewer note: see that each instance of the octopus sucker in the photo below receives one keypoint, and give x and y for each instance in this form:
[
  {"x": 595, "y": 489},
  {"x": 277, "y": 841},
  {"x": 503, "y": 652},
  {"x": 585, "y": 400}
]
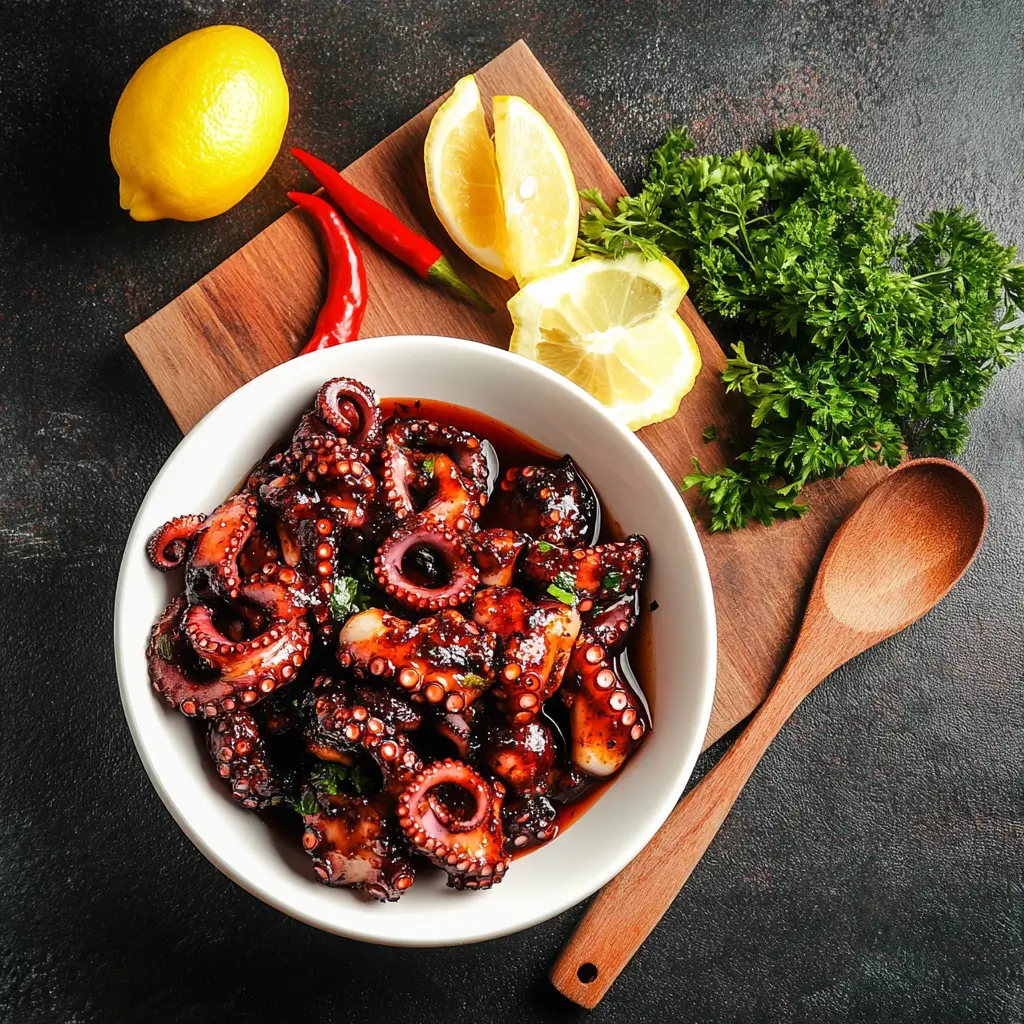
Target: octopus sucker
[
  {"x": 466, "y": 842},
  {"x": 168, "y": 545},
  {"x": 369, "y": 637}
]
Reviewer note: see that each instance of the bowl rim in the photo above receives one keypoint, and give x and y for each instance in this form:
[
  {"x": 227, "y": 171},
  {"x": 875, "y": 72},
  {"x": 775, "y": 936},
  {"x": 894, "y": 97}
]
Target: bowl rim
[{"x": 627, "y": 849}]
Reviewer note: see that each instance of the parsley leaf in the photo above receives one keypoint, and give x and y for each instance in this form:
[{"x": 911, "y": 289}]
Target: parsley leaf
[
  {"x": 164, "y": 647},
  {"x": 428, "y": 465},
  {"x": 613, "y": 581},
  {"x": 862, "y": 340},
  {"x": 350, "y": 595},
  {"x": 307, "y": 803},
  {"x": 474, "y": 682},
  {"x": 563, "y": 588},
  {"x": 328, "y": 776},
  {"x": 543, "y": 546},
  {"x": 709, "y": 433}
]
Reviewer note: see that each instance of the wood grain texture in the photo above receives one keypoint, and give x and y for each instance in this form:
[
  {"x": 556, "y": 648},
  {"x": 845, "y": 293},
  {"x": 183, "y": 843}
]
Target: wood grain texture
[
  {"x": 257, "y": 308},
  {"x": 895, "y": 558}
]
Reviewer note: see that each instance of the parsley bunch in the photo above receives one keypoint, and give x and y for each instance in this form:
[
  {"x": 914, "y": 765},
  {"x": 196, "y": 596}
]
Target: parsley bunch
[{"x": 866, "y": 340}]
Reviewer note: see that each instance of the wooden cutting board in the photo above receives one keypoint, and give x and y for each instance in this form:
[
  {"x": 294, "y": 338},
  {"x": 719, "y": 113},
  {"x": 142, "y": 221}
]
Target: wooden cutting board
[{"x": 257, "y": 308}]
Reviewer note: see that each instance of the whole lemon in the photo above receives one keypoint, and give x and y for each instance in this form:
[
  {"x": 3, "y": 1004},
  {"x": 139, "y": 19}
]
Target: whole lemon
[{"x": 199, "y": 124}]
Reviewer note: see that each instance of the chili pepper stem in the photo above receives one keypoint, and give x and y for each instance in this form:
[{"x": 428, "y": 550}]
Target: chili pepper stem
[{"x": 441, "y": 273}]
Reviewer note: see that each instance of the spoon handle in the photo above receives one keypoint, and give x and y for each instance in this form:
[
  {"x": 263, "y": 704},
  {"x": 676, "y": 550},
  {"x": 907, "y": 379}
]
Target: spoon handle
[{"x": 627, "y": 909}]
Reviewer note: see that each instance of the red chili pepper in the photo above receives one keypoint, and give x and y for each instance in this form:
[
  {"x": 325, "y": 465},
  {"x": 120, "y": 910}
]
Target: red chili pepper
[
  {"x": 342, "y": 313},
  {"x": 389, "y": 232}
]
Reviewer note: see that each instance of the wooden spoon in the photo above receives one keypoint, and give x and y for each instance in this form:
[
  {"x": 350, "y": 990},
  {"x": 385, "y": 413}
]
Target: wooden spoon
[{"x": 896, "y": 556}]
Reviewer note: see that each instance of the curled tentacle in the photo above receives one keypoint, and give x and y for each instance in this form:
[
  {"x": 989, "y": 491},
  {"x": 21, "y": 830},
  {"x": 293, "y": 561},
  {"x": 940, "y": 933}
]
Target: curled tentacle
[
  {"x": 465, "y": 449},
  {"x": 462, "y": 835},
  {"x": 238, "y": 751},
  {"x": 496, "y": 553},
  {"x": 262, "y": 549},
  {"x": 538, "y": 641},
  {"x": 212, "y": 567},
  {"x": 246, "y": 671},
  {"x": 529, "y": 822},
  {"x": 554, "y": 504},
  {"x": 521, "y": 755},
  {"x": 603, "y": 573},
  {"x": 350, "y": 409},
  {"x": 355, "y": 844},
  {"x": 607, "y": 718},
  {"x": 441, "y": 660},
  {"x": 168, "y": 545},
  {"x": 458, "y": 576},
  {"x": 453, "y": 504}
]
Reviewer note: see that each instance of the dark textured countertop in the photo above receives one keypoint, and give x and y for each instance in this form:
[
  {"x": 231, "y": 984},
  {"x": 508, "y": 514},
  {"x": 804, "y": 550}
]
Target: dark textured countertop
[{"x": 872, "y": 869}]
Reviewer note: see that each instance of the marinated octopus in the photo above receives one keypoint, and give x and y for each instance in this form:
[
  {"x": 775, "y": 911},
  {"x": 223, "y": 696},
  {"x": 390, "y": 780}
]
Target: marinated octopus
[{"x": 419, "y": 651}]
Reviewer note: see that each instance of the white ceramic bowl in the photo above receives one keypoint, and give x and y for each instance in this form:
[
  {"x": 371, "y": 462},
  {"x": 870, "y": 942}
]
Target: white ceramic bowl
[{"x": 208, "y": 464}]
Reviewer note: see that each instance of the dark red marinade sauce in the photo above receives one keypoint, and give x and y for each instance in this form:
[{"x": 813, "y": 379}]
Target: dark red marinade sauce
[{"x": 635, "y": 664}]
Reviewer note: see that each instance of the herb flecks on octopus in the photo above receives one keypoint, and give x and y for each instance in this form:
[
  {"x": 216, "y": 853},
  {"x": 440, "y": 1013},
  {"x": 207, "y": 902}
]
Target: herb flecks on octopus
[{"x": 421, "y": 668}]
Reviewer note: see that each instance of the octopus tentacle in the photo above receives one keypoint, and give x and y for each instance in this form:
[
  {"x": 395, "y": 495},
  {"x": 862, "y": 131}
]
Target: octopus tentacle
[
  {"x": 341, "y": 475},
  {"x": 350, "y": 409},
  {"x": 612, "y": 625},
  {"x": 443, "y": 660},
  {"x": 168, "y": 545},
  {"x": 212, "y": 568},
  {"x": 496, "y": 553},
  {"x": 250, "y": 670},
  {"x": 555, "y": 504},
  {"x": 464, "y": 448},
  {"x": 521, "y": 755},
  {"x": 355, "y": 844},
  {"x": 453, "y": 504},
  {"x": 402, "y": 473},
  {"x": 238, "y": 751},
  {"x": 457, "y": 728},
  {"x": 338, "y": 722},
  {"x": 538, "y": 643},
  {"x": 529, "y": 822},
  {"x": 603, "y": 573},
  {"x": 441, "y": 542},
  {"x": 470, "y": 847},
  {"x": 607, "y": 718}
]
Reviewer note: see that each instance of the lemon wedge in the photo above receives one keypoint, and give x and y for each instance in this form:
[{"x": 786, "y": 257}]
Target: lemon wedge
[
  {"x": 611, "y": 327},
  {"x": 538, "y": 191},
  {"x": 462, "y": 178}
]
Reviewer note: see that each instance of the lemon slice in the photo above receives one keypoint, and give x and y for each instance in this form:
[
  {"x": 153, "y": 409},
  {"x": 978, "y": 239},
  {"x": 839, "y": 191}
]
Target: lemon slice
[
  {"x": 611, "y": 327},
  {"x": 538, "y": 191},
  {"x": 462, "y": 179}
]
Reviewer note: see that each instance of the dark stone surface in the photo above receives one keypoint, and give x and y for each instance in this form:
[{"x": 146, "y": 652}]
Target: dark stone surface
[{"x": 873, "y": 867}]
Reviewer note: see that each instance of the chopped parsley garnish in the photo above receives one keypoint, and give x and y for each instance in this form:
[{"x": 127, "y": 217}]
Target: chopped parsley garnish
[
  {"x": 164, "y": 647},
  {"x": 709, "y": 433},
  {"x": 861, "y": 340},
  {"x": 474, "y": 682},
  {"x": 307, "y": 803},
  {"x": 328, "y": 776},
  {"x": 350, "y": 595},
  {"x": 428, "y": 465},
  {"x": 563, "y": 588},
  {"x": 613, "y": 581},
  {"x": 544, "y": 547}
]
